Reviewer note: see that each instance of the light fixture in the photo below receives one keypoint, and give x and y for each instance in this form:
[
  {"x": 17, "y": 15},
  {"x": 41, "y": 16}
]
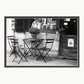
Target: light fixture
[
  {"x": 65, "y": 23},
  {"x": 74, "y": 21},
  {"x": 67, "y": 19}
]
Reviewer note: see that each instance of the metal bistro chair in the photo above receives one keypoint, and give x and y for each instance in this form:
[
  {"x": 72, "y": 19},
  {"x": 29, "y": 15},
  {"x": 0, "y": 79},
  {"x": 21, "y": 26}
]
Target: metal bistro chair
[
  {"x": 10, "y": 40},
  {"x": 45, "y": 50},
  {"x": 26, "y": 47},
  {"x": 15, "y": 48},
  {"x": 34, "y": 43}
]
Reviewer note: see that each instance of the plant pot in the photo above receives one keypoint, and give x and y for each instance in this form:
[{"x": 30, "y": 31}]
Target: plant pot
[
  {"x": 34, "y": 30},
  {"x": 34, "y": 36}
]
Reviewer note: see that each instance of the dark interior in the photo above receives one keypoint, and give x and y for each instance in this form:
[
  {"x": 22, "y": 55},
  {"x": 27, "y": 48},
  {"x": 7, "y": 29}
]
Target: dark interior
[
  {"x": 71, "y": 28},
  {"x": 23, "y": 25}
]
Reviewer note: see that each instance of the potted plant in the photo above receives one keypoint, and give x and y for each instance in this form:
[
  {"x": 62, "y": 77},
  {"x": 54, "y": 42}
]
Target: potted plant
[{"x": 34, "y": 32}]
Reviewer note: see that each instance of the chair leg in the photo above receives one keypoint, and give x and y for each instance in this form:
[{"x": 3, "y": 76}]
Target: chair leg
[
  {"x": 22, "y": 56},
  {"x": 41, "y": 56},
  {"x": 27, "y": 52},
  {"x": 49, "y": 57},
  {"x": 14, "y": 57},
  {"x": 32, "y": 52},
  {"x": 47, "y": 54},
  {"x": 20, "y": 60},
  {"x": 16, "y": 53},
  {"x": 44, "y": 59},
  {"x": 10, "y": 54}
]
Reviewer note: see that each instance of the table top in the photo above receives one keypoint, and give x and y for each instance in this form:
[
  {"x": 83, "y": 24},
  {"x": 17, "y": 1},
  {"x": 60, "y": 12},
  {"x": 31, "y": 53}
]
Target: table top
[{"x": 33, "y": 40}]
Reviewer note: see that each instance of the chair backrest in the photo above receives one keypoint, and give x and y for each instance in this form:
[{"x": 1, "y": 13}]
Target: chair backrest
[
  {"x": 12, "y": 41},
  {"x": 27, "y": 43},
  {"x": 49, "y": 43},
  {"x": 30, "y": 41}
]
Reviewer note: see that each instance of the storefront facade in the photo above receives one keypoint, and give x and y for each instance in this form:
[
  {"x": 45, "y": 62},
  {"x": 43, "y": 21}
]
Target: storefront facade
[{"x": 63, "y": 30}]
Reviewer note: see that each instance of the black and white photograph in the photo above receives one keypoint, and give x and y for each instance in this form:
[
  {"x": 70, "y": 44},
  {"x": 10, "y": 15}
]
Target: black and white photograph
[{"x": 41, "y": 41}]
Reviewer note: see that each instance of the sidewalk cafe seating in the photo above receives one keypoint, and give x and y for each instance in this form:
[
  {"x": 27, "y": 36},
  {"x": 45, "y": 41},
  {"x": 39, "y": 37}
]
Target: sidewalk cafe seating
[
  {"x": 31, "y": 45},
  {"x": 15, "y": 49},
  {"x": 44, "y": 51}
]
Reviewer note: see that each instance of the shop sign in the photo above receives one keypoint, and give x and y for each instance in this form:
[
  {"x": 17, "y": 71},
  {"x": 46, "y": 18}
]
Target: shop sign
[{"x": 70, "y": 42}]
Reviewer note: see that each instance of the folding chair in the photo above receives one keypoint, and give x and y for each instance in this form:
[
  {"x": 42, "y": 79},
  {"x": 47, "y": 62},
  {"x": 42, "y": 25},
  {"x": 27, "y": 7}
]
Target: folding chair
[
  {"x": 34, "y": 43},
  {"x": 11, "y": 44},
  {"x": 27, "y": 47},
  {"x": 45, "y": 50},
  {"x": 15, "y": 48}
]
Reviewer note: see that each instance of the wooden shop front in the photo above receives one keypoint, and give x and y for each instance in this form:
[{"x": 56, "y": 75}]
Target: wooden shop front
[{"x": 69, "y": 40}]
